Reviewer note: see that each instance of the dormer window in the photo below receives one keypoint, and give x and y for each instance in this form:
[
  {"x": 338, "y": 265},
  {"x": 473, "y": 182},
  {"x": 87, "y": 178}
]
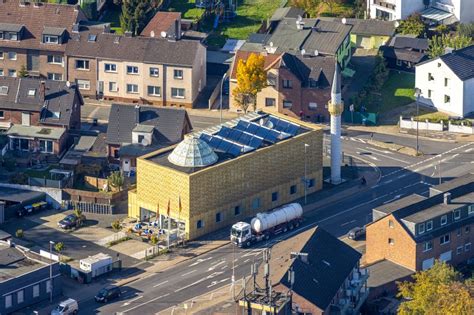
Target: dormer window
[
  {"x": 12, "y": 36},
  {"x": 53, "y": 35},
  {"x": 50, "y": 39},
  {"x": 10, "y": 31},
  {"x": 3, "y": 90},
  {"x": 31, "y": 92},
  {"x": 56, "y": 114}
]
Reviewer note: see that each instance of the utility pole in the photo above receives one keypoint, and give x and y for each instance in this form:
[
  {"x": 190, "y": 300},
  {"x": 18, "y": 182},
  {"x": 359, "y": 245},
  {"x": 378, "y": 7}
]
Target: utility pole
[
  {"x": 417, "y": 94},
  {"x": 51, "y": 243},
  {"x": 220, "y": 100},
  {"x": 305, "y": 173},
  {"x": 233, "y": 271}
]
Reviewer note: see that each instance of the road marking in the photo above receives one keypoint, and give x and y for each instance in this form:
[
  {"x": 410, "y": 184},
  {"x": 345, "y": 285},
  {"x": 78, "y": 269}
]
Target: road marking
[
  {"x": 188, "y": 273},
  {"x": 393, "y": 199},
  {"x": 246, "y": 260},
  {"x": 215, "y": 265},
  {"x": 157, "y": 285},
  {"x": 343, "y": 224},
  {"x": 145, "y": 303},
  {"x": 386, "y": 156},
  {"x": 212, "y": 275},
  {"x": 132, "y": 300},
  {"x": 381, "y": 151},
  {"x": 213, "y": 283},
  {"x": 200, "y": 260},
  {"x": 223, "y": 267},
  {"x": 469, "y": 150}
]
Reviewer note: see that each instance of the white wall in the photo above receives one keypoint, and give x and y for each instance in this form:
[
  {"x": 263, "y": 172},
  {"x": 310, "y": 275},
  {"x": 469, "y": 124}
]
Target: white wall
[
  {"x": 408, "y": 7},
  {"x": 53, "y": 195},
  {"x": 454, "y": 90},
  {"x": 466, "y": 11},
  {"x": 468, "y": 96}
]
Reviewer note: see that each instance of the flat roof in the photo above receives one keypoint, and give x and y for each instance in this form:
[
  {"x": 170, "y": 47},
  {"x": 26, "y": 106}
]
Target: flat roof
[
  {"x": 18, "y": 195},
  {"x": 384, "y": 272},
  {"x": 454, "y": 183},
  {"x": 13, "y": 263},
  {"x": 431, "y": 212},
  {"x": 53, "y": 133},
  {"x": 399, "y": 204}
]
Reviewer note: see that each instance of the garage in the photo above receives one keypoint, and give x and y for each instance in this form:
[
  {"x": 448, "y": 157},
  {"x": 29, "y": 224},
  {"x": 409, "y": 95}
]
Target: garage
[{"x": 13, "y": 199}]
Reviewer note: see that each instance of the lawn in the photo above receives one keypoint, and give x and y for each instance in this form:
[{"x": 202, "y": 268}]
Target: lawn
[
  {"x": 112, "y": 15},
  {"x": 187, "y": 8},
  {"x": 41, "y": 173},
  {"x": 397, "y": 91}
]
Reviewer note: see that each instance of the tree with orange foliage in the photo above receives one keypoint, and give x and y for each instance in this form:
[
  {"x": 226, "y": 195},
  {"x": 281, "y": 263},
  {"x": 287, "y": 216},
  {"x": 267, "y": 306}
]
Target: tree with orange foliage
[{"x": 251, "y": 79}]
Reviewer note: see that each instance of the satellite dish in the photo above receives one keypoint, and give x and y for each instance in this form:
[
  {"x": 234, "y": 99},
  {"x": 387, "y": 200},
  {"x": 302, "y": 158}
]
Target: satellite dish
[
  {"x": 316, "y": 52},
  {"x": 397, "y": 24},
  {"x": 145, "y": 142},
  {"x": 163, "y": 34},
  {"x": 152, "y": 34},
  {"x": 271, "y": 44},
  {"x": 68, "y": 84},
  {"x": 299, "y": 18},
  {"x": 344, "y": 20},
  {"x": 303, "y": 51}
]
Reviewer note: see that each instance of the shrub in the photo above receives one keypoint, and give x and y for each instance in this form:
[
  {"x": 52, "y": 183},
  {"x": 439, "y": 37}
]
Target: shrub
[
  {"x": 19, "y": 233},
  {"x": 154, "y": 239},
  {"x": 116, "y": 226}
]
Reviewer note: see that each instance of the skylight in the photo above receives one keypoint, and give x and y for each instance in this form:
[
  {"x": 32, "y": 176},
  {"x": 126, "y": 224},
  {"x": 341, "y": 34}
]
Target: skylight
[
  {"x": 3, "y": 90},
  {"x": 31, "y": 92},
  {"x": 91, "y": 38}
]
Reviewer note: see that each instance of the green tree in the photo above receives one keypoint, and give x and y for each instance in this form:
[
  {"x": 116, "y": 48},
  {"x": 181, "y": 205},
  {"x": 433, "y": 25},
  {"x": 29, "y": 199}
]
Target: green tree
[
  {"x": 435, "y": 291},
  {"x": 59, "y": 247},
  {"x": 309, "y": 6},
  {"x": 116, "y": 180},
  {"x": 438, "y": 44},
  {"x": 466, "y": 29},
  {"x": 412, "y": 25},
  {"x": 23, "y": 73},
  {"x": 331, "y": 4},
  {"x": 360, "y": 9},
  {"x": 116, "y": 225},
  {"x": 251, "y": 79},
  {"x": 81, "y": 218},
  {"x": 136, "y": 14},
  {"x": 19, "y": 233},
  {"x": 154, "y": 239}
]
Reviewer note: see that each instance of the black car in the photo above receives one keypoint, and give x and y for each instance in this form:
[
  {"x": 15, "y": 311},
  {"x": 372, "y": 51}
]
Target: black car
[
  {"x": 68, "y": 222},
  {"x": 107, "y": 294},
  {"x": 356, "y": 233}
]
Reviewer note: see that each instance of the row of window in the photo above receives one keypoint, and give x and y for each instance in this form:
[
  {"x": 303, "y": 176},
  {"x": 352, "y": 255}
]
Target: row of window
[
  {"x": 45, "y": 146},
  {"x": 10, "y": 73},
  {"x": 271, "y": 102},
  {"x": 431, "y": 78},
  {"x": 20, "y": 295},
  {"x": 8, "y": 36},
  {"x": 428, "y": 226},
  {"x": 445, "y": 239},
  {"x": 11, "y": 55},
  {"x": 256, "y": 203}
]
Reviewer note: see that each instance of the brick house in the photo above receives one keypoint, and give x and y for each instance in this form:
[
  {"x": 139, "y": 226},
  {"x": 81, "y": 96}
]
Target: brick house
[
  {"x": 34, "y": 35},
  {"x": 169, "y": 22},
  {"x": 416, "y": 230},
  {"x": 38, "y": 115}
]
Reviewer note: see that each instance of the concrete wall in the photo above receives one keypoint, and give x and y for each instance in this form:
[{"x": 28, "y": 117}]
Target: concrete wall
[
  {"x": 461, "y": 129},
  {"x": 53, "y": 195},
  {"x": 422, "y": 125}
]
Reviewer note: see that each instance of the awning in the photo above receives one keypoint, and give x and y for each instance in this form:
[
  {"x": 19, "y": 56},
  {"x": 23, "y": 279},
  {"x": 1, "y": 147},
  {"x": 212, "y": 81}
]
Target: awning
[{"x": 435, "y": 14}]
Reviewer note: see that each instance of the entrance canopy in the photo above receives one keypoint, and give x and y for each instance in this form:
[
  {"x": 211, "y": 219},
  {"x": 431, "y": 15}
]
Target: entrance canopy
[{"x": 435, "y": 15}]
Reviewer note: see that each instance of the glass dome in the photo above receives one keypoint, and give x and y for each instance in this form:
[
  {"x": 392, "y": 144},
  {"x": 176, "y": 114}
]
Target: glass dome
[{"x": 193, "y": 152}]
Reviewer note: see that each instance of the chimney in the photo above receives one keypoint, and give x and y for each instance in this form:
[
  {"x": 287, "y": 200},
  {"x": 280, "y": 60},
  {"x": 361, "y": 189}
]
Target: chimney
[
  {"x": 177, "y": 29},
  {"x": 137, "y": 114},
  {"x": 128, "y": 34},
  {"x": 447, "y": 198},
  {"x": 42, "y": 91}
]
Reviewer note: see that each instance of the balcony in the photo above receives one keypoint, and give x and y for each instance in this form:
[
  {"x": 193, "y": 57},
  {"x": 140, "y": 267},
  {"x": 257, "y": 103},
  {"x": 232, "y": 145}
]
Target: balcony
[
  {"x": 356, "y": 293},
  {"x": 385, "y": 4}
]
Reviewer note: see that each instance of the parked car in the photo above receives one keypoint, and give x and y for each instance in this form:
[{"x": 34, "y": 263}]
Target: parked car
[
  {"x": 107, "y": 294},
  {"x": 356, "y": 232},
  {"x": 30, "y": 209},
  {"x": 68, "y": 222},
  {"x": 66, "y": 307}
]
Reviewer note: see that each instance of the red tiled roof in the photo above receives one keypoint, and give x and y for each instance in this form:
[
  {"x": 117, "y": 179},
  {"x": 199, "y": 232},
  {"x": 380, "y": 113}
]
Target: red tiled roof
[
  {"x": 161, "y": 22},
  {"x": 35, "y": 19},
  {"x": 270, "y": 60}
]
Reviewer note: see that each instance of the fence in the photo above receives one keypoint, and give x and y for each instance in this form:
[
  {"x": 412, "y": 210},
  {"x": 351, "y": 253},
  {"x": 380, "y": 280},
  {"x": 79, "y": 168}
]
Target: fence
[
  {"x": 360, "y": 118},
  {"x": 89, "y": 207},
  {"x": 461, "y": 129},
  {"x": 421, "y": 125},
  {"x": 53, "y": 183}
]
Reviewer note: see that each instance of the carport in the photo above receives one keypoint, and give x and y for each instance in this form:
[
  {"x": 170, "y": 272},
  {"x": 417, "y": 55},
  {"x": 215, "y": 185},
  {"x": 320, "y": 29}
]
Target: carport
[{"x": 15, "y": 199}]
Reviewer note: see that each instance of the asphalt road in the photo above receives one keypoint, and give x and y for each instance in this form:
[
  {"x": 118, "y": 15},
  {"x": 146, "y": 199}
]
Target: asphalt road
[{"x": 399, "y": 176}]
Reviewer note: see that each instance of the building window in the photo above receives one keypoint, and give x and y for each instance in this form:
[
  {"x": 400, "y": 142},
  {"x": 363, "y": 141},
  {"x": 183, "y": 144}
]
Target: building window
[
  {"x": 470, "y": 210},
  {"x": 287, "y": 84},
  {"x": 49, "y": 286},
  {"x": 2, "y": 114},
  {"x": 83, "y": 84},
  {"x": 313, "y": 105},
  {"x": 132, "y": 88},
  {"x": 429, "y": 225},
  {"x": 110, "y": 67},
  {"x": 178, "y": 74},
  {"x": 391, "y": 241},
  {"x": 48, "y": 39},
  {"x": 55, "y": 59},
  {"x": 20, "y": 297},
  {"x": 467, "y": 229},
  {"x": 154, "y": 90},
  {"x": 467, "y": 247},
  {"x": 82, "y": 64},
  {"x": 446, "y": 81},
  {"x": 269, "y": 101},
  {"x": 154, "y": 72},
  {"x": 444, "y": 219},
  {"x": 200, "y": 224},
  {"x": 1, "y": 73},
  {"x": 427, "y": 246},
  {"x": 458, "y": 232},
  {"x": 287, "y": 104},
  {"x": 275, "y": 196},
  {"x": 12, "y": 55},
  {"x": 1, "y": 54},
  {"x": 429, "y": 93},
  {"x": 447, "y": 99},
  {"x": 459, "y": 250},
  {"x": 132, "y": 70},
  {"x": 293, "y": 189},
  {"x": 46, "y": 146},
  {"x": 311, "y": 182},
  {"x": 55, "y": 76},
  {"x": 256, "y": 203},
  {"x": 177, "y": 93},
  {"x": 236, "y": 210},
  {"x": 421, "y": 228},
  {"x": 399, "y": 62},
  {"x": 36, "y": 290},
  {"x": 8, "y": 301},
  {"x": 457, "y": 214},
  {"x": 444, "y": 239},
  {"x": 390, "y": 224},
  {"x": 218, "y": 217},
  {"x": 12, "y": 73},
  {"x": 113, "y": 87},
  {"x": 430, "y": 77},
  {"x": 313, "y": 83}
]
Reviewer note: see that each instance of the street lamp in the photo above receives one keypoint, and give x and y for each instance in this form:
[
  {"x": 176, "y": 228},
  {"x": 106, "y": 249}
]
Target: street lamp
[
  {"x": 220, "y": 101},
  {"x": 305, "y": 171},
  {"x": 51, "y": 243},
  {"x": 417, "y": 95}
]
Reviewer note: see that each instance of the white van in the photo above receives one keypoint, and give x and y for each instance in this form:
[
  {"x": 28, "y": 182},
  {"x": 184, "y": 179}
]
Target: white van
[{"x": 66, "y": 307}]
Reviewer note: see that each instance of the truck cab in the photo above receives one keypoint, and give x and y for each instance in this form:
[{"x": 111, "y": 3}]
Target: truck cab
[{"x": 241, "y": 234}]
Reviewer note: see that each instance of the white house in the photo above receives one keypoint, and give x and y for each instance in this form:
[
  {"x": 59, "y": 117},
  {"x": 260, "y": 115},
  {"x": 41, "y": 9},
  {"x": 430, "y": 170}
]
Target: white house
[
  {"x": 447, "y": 82},
  {"x": 439, "y": 11}
]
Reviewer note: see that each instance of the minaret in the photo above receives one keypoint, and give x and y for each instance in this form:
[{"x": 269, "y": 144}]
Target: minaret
[{"x": 336, "y": 107}]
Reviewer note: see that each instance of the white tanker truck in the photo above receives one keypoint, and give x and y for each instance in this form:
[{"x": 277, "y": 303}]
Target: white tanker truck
[{"x": 267, "y": 224}]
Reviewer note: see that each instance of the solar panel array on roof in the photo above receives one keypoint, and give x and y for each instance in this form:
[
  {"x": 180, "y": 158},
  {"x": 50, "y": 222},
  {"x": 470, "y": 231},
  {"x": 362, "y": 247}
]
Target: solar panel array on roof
[
  {"x": 284, "y": 126},
  {"x": 241, "y": 137},
  {"x": 268, "y": 134},
  {"x": 224, "y": 145}
]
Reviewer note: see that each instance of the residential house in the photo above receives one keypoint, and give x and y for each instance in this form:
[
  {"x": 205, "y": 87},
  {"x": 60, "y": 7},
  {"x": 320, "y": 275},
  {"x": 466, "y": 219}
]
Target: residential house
[
  {"x": 26, "y": 278},
  {"x": 34, "y": 35},
  {"x": 437, "y": 12},
  {"x": 160, "y": 71},
  {"x": 405, "y": 52},
  {"x": 137, "y": 130},
  {"x": 163, "y": 24},
  {"x": 447, "y": 82},
  {"x": 326, "y": 276},
  {"x": 416, "y": 230},
  {"x": 39, "y": 115}
]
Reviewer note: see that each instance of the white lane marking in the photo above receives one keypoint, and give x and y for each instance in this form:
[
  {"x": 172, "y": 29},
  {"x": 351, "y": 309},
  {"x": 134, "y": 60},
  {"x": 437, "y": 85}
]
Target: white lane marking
[
  {"x": 145, "y": 303},
  {"x": 381, "y": 151},
  {"x": 469, "y": 150},
  {"x": 132, "y": 300},
  {"x": 343, "y": 224},
  {"x": 215, "y": 265},
  {"x": 246, "y": 260},
  {"x": 188, "y": 273},
  {"x": 393, "y": 199},
  {"x": 212, "y": 275},
  {"x": 223, "y": 267},
  {"x": 213, "y": 283},
  {"x": 386, "y": 156},
  {"x": 455, "y": 155},
  {"x": 161, "y": 283},
  {"x": 373, "y": 158},
  {"x": 200, "y": 260}
]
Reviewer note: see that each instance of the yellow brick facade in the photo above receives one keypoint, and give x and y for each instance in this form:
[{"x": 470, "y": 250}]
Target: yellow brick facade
[{"x": 236, "y": 182}]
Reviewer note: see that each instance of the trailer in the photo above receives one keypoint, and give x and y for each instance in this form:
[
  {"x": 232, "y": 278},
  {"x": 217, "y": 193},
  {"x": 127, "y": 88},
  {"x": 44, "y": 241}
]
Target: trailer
[{"x": 265, "y": 225}]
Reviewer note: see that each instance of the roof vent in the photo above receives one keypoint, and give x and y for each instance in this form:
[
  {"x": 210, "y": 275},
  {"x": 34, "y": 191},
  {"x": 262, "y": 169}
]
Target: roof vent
[
  {"x": 316, "y": 52},
  {"x": 152, "y": 34},
  {"x": 344, "y": 21},
  {"x": 75, "y": 28},
  {"x": 163, "y": 34},
  {"x": 68, "y": 84},
  {"x": 117, "y": 40},
  {"x": 447, "y": 198}
]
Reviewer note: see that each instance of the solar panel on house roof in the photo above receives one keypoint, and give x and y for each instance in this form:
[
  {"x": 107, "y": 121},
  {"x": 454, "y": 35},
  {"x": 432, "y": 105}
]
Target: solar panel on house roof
[
  {"x": 284, "y": 126},
  {"x": 240, "y": 136}
]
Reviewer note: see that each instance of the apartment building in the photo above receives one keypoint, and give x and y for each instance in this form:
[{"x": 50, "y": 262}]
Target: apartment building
[
  {"x": 415, "y": 231},
  {"x": 146, "y": 70},
  {"x": 34, "y": 35}
]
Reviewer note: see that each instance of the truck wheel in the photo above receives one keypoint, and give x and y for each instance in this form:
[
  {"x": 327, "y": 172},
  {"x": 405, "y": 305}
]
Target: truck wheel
[{"x": 285, "y": 229}]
